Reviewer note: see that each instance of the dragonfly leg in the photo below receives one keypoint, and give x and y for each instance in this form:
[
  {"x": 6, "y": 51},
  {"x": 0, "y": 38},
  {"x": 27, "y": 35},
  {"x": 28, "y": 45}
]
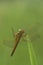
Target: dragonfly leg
[
  {"x": 13, "y": 32},
  {"x": 24, "y": 37}
]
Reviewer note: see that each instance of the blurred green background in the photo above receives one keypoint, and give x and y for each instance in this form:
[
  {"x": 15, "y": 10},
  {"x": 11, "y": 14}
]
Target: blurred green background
[{"x": 27, "y": 15}]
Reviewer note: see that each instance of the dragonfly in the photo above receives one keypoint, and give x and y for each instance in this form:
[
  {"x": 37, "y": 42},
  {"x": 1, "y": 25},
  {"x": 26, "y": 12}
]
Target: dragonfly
[{"x": 20, "y": 34}]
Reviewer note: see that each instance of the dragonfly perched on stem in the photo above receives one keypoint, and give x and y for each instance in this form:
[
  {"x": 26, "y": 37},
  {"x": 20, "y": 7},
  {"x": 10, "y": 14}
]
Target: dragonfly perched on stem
[{"x": 20, "y": 34}]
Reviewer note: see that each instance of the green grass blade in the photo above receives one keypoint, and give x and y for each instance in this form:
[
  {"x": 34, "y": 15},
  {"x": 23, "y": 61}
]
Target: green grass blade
[{"x": 33, "y": 59}]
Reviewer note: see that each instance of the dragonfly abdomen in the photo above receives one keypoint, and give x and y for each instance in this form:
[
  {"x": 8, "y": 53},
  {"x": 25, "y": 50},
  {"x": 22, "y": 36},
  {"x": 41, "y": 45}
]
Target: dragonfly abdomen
[{"x": 16, "y": 43}]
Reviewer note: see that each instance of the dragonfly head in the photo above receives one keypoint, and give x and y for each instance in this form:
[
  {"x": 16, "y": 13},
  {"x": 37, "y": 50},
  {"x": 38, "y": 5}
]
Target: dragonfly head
[{"x": 21, "y": 31}]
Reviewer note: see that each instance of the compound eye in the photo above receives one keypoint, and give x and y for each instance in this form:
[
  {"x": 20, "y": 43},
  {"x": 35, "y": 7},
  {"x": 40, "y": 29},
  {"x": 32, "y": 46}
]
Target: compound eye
[{"x": 19, "y": 30}]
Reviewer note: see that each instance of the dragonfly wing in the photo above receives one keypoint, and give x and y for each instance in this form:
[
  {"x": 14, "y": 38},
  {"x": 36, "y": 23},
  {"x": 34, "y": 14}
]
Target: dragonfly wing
[{"x": 8, "y": 43}]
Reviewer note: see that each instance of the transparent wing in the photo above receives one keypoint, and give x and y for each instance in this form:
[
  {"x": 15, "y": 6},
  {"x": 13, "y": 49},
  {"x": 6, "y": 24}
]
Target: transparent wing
[
  {"x": 9, "y": 43},
  {"x": 12, "y": 43}
]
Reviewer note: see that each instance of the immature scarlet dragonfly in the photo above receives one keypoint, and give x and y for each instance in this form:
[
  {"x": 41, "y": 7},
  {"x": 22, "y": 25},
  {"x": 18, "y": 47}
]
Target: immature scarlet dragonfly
[{"x": 17, "y": 36}]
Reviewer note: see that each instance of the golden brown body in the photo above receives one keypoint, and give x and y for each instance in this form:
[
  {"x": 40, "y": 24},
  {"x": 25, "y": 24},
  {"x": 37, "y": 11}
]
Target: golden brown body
[{"x": 18, "y": 36}]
